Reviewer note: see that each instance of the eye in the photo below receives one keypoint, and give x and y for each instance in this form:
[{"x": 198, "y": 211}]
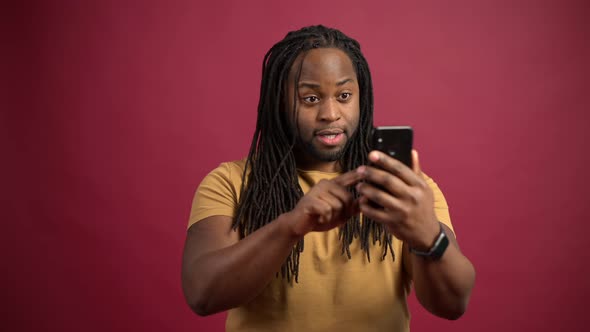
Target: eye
[
  {"x": 311, "y": 99},
  {"x": 345, "y": 95}
]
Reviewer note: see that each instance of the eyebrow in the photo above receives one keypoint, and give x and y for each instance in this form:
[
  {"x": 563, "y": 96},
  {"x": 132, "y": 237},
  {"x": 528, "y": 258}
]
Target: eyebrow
[{"x": 314, "y": 85}]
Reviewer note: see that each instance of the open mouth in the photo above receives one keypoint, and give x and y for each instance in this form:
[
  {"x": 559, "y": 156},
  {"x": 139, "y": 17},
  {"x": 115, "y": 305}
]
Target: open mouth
[{"x": 330, "y": 138}]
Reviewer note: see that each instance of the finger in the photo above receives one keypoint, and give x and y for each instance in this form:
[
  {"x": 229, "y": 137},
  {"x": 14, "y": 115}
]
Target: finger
[
  {"x": 348, "y": 179},
  {"x": 322, "y": 210},
  {"x": 390, "y": 183},
  {"x": 378, "y": 196},
  {"x": 394, "y": 167},
  {"x": 326, "y": 188},
  {"x": 347, "y": 205},
  {"x": 339, "y": 191},
  {"x": 335, "y": 204},
  {"x": 416, "y": 162},
  {"x": 386, "y": 217},
  {"x": 334, "y": 197}
]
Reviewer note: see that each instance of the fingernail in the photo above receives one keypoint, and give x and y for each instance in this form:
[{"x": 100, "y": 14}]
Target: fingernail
[
  {"x": 361, "y": 169},
  {"x": 374, "y": 156}
]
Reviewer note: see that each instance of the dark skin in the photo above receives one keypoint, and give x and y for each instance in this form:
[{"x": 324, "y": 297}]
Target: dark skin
[
  {"x": 220, "y": 271},
  {"x": 443, "y": 287},
  {"x": 327, "y": 105},
  {"x": 232, "y": 272}
]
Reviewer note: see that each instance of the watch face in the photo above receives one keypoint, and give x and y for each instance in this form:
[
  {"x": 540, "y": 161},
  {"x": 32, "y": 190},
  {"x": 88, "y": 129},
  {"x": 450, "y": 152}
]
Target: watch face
[
  {"x": 438, "y": 249},
  {"x": 440, "y": 246}
]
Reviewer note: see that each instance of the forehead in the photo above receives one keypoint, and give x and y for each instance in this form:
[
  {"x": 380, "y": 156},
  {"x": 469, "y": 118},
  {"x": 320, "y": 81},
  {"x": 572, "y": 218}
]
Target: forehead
[{"x": 323, "y": 63}]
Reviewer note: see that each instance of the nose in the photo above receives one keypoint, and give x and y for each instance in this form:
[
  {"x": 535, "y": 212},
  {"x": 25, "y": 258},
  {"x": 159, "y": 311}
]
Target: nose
[{"x": 329, "y": 110}]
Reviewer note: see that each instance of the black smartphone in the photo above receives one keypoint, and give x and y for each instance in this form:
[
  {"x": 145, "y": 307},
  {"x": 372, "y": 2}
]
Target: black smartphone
[{"x": 395, "y": 141}]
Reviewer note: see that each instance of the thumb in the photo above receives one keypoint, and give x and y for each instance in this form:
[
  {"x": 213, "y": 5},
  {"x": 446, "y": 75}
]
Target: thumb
[{"x": 416, "y": 162}]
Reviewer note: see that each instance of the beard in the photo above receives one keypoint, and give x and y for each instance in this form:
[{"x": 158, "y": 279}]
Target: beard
[{"x": 335, "y": 154}]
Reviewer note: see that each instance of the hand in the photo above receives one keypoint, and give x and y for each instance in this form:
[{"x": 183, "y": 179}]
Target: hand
[
  {"x": 327, "y": 205},
  {"x": 406, "y": 199}
]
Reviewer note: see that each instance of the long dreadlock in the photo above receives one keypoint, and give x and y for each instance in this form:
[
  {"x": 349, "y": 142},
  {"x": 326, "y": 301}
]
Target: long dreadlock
[{"x": 270, "y": 184}]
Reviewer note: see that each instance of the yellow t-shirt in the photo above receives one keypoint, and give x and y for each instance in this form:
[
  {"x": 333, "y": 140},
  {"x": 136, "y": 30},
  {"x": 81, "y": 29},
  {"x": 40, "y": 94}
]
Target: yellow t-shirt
[{"x": 334, "y": 293}]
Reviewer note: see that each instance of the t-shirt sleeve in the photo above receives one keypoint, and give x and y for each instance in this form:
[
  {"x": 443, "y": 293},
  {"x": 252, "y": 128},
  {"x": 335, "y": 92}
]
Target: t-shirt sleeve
[
  {"x": 217, "y": 195},
  {"x": 441, "y": 209}
]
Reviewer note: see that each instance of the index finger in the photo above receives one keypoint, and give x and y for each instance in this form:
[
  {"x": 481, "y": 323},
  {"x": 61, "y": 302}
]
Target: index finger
[{"x": 348, "y": 179}]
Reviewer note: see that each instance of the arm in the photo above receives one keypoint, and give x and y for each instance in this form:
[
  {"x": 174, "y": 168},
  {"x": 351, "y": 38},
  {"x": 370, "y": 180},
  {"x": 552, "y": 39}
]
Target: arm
[
  {"x": 444, "y": 286},
  {"x": 220, "y": 272}
]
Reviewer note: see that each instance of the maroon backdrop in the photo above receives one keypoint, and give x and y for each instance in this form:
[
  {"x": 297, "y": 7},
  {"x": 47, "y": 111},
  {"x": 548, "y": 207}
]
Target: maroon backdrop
[{"x": 114, "y": 111}]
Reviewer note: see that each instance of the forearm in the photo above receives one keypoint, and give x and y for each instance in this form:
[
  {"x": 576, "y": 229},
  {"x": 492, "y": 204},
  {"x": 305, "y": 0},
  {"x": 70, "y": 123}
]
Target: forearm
[
  {"x": 226, "y": 278},
  {"x": 444, "y": 286}
]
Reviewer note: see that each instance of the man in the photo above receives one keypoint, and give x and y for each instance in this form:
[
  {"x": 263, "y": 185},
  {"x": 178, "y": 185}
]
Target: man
[{"x": 283, "y": 239}]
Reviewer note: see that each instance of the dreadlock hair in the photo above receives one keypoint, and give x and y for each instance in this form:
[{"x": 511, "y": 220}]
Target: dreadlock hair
[{"x": 270, "y": 184}]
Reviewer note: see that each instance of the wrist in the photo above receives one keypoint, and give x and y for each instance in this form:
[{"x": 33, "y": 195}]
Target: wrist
[
  {"x": 438, "y": 248},
  {"x": 429, "y": 236},
  {"x": 290, "y": 226}
]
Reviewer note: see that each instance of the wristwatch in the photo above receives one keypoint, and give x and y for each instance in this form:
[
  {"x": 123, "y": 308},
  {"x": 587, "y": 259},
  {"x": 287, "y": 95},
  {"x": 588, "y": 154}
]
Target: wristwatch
[{"x": 437, "y": 250}]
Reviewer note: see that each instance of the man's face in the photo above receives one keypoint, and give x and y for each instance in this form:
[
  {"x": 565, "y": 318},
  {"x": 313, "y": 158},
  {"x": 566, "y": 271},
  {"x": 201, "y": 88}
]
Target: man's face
[{"x": 327, "y": 102}]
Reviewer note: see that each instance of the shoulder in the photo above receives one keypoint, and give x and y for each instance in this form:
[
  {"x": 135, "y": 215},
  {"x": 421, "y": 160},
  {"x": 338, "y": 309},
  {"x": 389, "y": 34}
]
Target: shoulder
[
  {"x": 235, "y": 165},
  {"x": 219, "y": 192},
  {"x": 230, "y": 171}
]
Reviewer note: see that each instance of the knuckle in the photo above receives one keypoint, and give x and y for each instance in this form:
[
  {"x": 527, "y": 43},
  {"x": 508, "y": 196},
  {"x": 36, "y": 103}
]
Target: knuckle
[
  {"x": 322, "y": 183},
  {"x": 381, "y": 198},
  {"x": 325, "y": 209},
  {"x": 396, "y": 167},
  {"x": 375, "y": 198},
  {"x": 423, "y": 185},
  {"x": 389, "y": 181},
  {"x": 416, "y": 196},
  {"x": 405, "y": 212},
  {"x": 413, "y": 198}
]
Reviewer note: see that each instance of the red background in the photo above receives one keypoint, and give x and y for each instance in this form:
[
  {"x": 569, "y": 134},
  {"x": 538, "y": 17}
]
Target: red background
[{"x": 114, "y": 111}]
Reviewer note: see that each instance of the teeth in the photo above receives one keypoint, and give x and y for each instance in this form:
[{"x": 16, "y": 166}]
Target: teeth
[{"x": 332, "y": 136}]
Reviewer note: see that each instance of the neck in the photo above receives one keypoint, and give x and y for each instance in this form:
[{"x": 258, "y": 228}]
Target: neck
[{"x": 309, "y": 164}]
